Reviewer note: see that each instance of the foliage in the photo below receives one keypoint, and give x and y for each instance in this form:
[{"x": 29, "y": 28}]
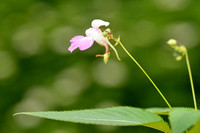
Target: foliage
[
  {"x": 181, "y": 119},
  {"x": 37, "y": 73}
]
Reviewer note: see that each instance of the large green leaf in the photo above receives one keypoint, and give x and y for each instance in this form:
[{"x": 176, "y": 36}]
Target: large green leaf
[
  {"x": 182, "y": 119},
  {"x": 116, "y": 116}
]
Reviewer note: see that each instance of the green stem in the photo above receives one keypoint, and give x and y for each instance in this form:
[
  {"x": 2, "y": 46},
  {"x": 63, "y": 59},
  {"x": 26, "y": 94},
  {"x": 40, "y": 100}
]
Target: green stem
[
  {"x": 146, "y": 75},
  {"x": 191, "y": 80},
  {"x": 114, "y": 50}
]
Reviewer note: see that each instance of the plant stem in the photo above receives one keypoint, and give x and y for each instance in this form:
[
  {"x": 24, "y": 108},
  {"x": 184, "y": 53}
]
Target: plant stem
[
  {"x": 146, "y": 75},
  {"x": 191, "y": 80}
]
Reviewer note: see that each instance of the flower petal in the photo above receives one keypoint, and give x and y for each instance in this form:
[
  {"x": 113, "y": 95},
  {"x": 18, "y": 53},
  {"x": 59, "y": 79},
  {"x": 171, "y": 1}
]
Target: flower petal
[
  {"x": 76, "y": 38},
  {"x": 73, "y": 47},
  {"x": 85, "y": 43},
  {"x": 96, "y": 34},
  {"x": 97, "y": 23},
  {"x": 74, "y": 43},
  {"x": 91, "y": 32}
]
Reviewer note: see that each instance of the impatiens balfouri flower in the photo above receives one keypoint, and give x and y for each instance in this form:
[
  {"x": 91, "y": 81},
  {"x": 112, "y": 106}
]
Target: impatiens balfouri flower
[{"x": 93, "y": 34}]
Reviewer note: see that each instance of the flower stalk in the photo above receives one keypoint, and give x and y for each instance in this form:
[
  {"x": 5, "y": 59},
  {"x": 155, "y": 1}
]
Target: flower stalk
[
  {"x": 145, "y": 74},
  {"x": 191, "y": 80},
  {"x": 183, "y": 52},
  {"x": 109, "y": 35}
]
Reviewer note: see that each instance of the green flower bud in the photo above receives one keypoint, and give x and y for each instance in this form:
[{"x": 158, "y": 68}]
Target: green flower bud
[
  {"x": 106, "y": 57},
  {"x": 172, "y": 42},
  {"x": 108, "y": 30},
  {"x": 105, "y": 33},
  {"x": 178, "y": 58},
  {"x": 182, "y": 50}
]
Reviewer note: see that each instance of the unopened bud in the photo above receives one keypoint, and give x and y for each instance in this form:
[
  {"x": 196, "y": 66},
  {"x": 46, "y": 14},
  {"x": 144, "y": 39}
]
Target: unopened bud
[
  {"x": 172, "y": 42},
  {"x": 106, "y": 57},
  {"x": 105, "y": 33},
  {"x": 178, "y": 58},
  {"x": 182, "y": 49},
  {"x": 108, "y": 30}
]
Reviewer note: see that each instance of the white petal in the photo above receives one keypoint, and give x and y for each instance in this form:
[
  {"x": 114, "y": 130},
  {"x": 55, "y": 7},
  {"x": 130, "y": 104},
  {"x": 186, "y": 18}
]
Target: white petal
[
  {"x": 91, "y": 32},
  {"x": 97, "y": 23},
  {"x": 96, "y": 34}
]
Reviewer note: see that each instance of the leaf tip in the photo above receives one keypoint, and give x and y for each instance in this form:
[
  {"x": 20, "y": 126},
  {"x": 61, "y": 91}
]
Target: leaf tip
[{"x": 20, "y": 113}]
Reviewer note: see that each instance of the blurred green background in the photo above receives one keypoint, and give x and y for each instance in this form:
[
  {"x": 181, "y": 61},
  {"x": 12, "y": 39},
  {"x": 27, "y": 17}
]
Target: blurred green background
[{"x": 37, "y": 72}]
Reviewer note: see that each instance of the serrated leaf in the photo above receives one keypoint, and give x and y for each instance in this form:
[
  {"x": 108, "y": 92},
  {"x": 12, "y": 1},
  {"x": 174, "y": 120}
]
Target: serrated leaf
[
  {"x": 166, "y": 111},
  {"x": 182, "y": 119},
  {"x": 160, "y": 111},
  {"x": 162, "y": 126},
  {"x": 116, "y": 116}
]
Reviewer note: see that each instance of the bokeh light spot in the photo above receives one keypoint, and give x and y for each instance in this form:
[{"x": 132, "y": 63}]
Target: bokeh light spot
[
  {"x": 144, "y": 32},
  {"x": 28, "y": 41},
  {"x": 59, "y": 39},
  {"x": 28, "y": 104},
  {"x": 112, "y": 74},
  {"x": 8, "y": 65},
  {"x": 43, "y": 94},
  {"x": 171, "y": 5},
  {"x": 70, "y": 83},
  {"x": 184, "y": 32}
]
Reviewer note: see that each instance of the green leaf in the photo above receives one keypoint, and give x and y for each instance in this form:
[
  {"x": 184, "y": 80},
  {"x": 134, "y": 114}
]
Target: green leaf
[
  {"x": 160, "y": 111},
  {"x": 116, "y": 116},
  {"x": 166, "y": 111},
  {"x": 162, "y": 126},
  {"x": 196, "y": 128},
  {"x": 182, "y": 119}
]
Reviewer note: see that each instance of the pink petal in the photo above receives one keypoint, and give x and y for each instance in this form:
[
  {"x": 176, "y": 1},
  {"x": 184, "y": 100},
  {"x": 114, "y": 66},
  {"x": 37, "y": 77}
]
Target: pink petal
[
  {"x": 85, "y": 43},
  {"x": 73, "y": 47},
  {"x": 97, "y": 23},
  {"x": 80, "y": 42},
  {"x": 76, "y": 38},
  {"x": 74, "y": 43}
]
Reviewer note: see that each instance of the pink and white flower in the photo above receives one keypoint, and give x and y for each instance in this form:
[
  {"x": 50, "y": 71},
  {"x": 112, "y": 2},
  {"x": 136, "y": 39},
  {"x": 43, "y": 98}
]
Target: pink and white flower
[{"x": 92, "y": 34}]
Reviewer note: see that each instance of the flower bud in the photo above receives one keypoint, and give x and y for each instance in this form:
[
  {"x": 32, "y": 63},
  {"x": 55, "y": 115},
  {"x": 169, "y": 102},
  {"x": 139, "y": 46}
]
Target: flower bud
[
  {"x": 105, "y": 33},
  {"x": 106, "y": 57},
  {"x": 108, "y": 30},
  {"x": 172, "y": 42},
  {"x": 178, "y": 58},
  {"x": 182, "y": 50}
]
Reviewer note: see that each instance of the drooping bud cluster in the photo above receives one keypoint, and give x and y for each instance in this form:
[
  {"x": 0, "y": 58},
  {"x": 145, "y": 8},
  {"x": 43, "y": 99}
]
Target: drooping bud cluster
[{"x": 179, "y": 49}]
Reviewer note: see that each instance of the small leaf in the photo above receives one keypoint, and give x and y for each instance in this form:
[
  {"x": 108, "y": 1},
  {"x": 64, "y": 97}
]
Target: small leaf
[
  {"x": 182, "y": 119},
  {"x": 166, "y": 111},
  {"x": 159, "y": 111},
  {"x": 162, "y": 126},
  {"x": 196, "y": 128},
  {"x": 116, "y": 116}
]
